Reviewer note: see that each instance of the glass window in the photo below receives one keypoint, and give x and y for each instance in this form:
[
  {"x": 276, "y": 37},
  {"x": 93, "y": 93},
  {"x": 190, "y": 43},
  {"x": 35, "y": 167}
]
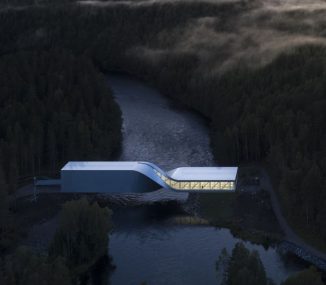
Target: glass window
[{"x": 196, "y": 185}]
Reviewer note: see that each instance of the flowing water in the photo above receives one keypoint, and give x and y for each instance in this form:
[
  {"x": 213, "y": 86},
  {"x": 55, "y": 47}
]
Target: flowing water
[
  {"x": 154, "y": 130},
  {"x": 152, "y": 251}
]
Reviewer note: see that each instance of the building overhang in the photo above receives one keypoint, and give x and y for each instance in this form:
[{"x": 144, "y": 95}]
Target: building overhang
[{"x": 187, "y": 179}]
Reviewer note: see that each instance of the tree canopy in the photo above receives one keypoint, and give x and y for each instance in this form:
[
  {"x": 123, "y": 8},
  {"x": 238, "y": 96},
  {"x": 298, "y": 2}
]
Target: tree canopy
[
  {"x": 82, "y": 236},
  {"x": 244, "y": 267},
  {"x": 272, "y": 113},
  {"x": 54, "y": 107},
  {"x": 24, "y": 267}
]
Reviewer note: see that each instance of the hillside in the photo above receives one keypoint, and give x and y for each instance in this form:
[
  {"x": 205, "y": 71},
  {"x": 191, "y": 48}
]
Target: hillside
[{"x": 256, "y": 69}]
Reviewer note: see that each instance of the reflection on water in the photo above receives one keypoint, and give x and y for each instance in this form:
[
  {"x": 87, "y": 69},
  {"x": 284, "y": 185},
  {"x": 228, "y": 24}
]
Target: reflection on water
[
  {"x": 143, "y": 247},
  {"x": 149, "y": 250},
  {"x": 154, "y": 131}
]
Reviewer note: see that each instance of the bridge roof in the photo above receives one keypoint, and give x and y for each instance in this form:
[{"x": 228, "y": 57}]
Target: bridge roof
[
  {"x": 100, "y": 165},
  {"x": 204, "y": 173},
  {"x": 181, "y": 173}
]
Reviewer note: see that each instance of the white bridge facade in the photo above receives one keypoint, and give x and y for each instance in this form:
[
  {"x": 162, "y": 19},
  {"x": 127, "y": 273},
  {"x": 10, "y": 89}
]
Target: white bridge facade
[{"x": 139, "y": 176}]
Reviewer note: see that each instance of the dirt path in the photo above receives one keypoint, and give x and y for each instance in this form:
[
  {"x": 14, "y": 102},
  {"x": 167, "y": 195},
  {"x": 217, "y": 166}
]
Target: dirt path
[{"x": 290, "y": 235}]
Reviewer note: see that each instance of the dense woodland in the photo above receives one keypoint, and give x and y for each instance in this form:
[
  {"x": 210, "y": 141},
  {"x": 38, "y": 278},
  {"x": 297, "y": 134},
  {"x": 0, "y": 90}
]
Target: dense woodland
[
  {"x": 277, "y": 114},
  {"x": 80, "y": 240},
  {"x": 242, "y": 267},
  {"x": 54, "y": 107},
  {"x": 274, "y": 113}
]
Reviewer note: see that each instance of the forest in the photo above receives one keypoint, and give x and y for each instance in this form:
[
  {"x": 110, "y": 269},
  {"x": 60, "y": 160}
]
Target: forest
[
  {"x": 80, "y": 241},
  {"x": 48, "y": 116},
  {"x": 245, "y": 267},
  {"x": 272, "y": 112}
]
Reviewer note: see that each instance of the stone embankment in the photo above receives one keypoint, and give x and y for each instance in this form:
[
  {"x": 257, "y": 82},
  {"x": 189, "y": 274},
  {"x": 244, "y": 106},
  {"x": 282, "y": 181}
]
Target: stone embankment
[{"x": 289, "y": 247}]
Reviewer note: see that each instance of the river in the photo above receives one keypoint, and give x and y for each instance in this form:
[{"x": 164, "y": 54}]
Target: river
[
  {"x": 157, "y": 131},
  {"x": 151, "y": 250}
]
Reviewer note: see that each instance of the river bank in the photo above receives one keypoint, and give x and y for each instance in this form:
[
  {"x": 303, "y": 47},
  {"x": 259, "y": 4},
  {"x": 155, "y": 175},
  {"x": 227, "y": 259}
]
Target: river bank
[
  {"x": 154, "y": 130},
  {"x": 158, "y": 235},
  {"x": 294, "y": 232}
]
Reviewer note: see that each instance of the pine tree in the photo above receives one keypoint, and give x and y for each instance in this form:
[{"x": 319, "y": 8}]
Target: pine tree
[
  {"x": 82, "y": 235},
  {"x": 244, "y": 267}
]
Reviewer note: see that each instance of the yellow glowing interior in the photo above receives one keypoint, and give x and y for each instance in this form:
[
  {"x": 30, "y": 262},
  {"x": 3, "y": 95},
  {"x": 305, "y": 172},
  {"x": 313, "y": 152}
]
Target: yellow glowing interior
[{"x": 196, "y": 185}]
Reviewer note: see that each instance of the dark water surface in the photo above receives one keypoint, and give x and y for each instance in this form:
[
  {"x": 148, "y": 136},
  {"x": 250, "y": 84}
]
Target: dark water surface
[
  {"x": 158, "y": 252},
  {"x": 155, "y": 131}
]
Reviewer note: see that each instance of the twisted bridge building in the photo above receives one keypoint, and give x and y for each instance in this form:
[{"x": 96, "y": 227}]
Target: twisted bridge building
[{"x": 139, "y": 176}]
